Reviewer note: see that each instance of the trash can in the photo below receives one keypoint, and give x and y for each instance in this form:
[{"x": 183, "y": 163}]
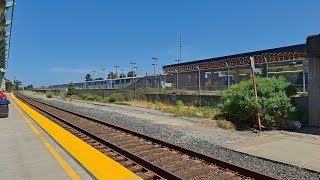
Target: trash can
[{"x": 4, "y": 108}]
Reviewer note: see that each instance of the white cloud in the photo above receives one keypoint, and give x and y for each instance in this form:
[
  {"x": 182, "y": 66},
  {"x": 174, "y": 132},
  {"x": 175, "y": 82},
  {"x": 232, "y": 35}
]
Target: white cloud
[{"x": 71, "y": 70}]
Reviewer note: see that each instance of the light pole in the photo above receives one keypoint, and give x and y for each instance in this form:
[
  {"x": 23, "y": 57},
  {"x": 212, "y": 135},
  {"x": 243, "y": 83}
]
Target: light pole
[
  {"x": 116, "y": 70},
  {"x": 199, "y": 85},
  {"x": 132, "y": 64},
  {"x": 121, "y": 71},
  {"x": 103, "y": 71},
  {"x": 154, "y": 64},
  {"x": 177, "y": 83},
  {"x": 136, "y": 70},
  {"x": 93, "y": 75}
]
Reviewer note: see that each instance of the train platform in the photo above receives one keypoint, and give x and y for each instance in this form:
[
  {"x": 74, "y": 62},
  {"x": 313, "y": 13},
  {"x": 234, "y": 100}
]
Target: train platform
[
  {"x": 33, "y": 147},
  {"x": 297, "y": 149}
]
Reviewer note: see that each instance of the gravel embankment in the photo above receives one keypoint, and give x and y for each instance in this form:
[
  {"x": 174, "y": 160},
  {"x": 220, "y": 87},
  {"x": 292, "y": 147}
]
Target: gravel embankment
[{"x": 186, "y": 138}]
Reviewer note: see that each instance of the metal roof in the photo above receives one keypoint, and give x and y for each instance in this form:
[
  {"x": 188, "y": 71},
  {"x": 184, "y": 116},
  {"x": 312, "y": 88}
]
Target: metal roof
[
  {"x": 6, "y": 8},
  {"x": 300, "y": 48}
]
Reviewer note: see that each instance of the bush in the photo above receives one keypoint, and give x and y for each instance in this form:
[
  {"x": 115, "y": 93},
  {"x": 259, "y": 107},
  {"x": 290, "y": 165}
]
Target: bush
[
  {"x": 71, "y": 89},
  {"x": 116, "y": 97},
  {"x": 97, "y": 98},
  {"x": 49, "y": 95},
  {"x": 73, "y": 97},
  {"x": 224, "y": 124},
  {"x": 87, "y": 96},
  {"x": 150, "y": 105},
  {"x": 207, "y": 112},
  {"x": 159, "y": 106},
  {"x": 239, "y": 105},
  {"x": 179, "y": 105}
]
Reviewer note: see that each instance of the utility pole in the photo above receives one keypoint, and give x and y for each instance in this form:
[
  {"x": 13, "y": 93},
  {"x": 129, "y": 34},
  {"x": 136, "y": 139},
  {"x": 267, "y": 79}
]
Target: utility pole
[
  {"x": 136, "y": 70},
  {"x": 154, "y": 64},
  {"x": 103, "y": 71},
  {"x": 132, "y": 64},
  {"x": 93, "y": 75},
  {"x": 180, "y": 46},
  {"x": 116, "y": 70}
]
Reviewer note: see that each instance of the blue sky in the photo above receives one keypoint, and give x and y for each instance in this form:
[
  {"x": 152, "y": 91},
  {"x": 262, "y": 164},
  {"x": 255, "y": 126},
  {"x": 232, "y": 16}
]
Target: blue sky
[{"x": 57, "y": 42}]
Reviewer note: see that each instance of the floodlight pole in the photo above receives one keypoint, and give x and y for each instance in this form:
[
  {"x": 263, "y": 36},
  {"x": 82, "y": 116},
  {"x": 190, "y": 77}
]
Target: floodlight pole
[
  {"x": 136, "y": 70},
  {"x": 116, "y": 70},
  {"x": 133, "y": 63},
  {"x": 93, "y": 75},
  {"x": 154, "y": 64}
]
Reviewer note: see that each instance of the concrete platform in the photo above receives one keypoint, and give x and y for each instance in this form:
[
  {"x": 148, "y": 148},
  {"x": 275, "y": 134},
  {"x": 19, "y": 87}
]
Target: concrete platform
[
  {"x": 292, "y": 148},
  {"x": 24, "y": 154}
]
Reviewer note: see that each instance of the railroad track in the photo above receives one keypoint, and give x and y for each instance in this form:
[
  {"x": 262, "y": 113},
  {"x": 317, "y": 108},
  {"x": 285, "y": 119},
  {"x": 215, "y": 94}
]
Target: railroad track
[{"x": 148, "y": 157}]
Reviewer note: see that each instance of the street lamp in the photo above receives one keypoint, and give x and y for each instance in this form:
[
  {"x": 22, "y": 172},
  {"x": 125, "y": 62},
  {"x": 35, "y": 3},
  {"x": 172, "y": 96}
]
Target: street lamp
[
  {"x": 133, "y": 63},
  {"x": 154, "y": 64},
  {"x": 136, "y": 70},
  {"x": 116, "y": 70},
  {"x": 103, "y": 71},
  {"x": 93, "y": 75}
]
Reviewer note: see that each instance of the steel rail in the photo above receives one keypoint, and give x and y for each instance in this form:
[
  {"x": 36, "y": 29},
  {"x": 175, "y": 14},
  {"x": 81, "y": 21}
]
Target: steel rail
[
  {"x": 209, "y": 159},
  {"x": 145, "y": 163}
]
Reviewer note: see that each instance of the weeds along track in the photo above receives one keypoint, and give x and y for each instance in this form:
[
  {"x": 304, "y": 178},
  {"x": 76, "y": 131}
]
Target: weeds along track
[{"x": 149, "y": 158}]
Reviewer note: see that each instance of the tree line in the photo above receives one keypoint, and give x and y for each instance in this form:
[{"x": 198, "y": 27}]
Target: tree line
[{"x": 111, "y": 75}]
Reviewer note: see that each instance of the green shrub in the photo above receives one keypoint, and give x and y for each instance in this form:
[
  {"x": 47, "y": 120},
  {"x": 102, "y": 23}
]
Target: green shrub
[
  {"x": 159, "y": 106},
  {"x": 49, "y": 95},
  {"x": 179, "y": 105},
  {"x": 116, "y": 97},
  {"x": 73, "y": 97},
  {"x": 207, "y": 112},
  {"x": 239, "y": 105},
  {"x": 71, "y": 89},
  {"x": 87, "y": 97},
  {"x": 97, "y": 98},
  {"x": 224, "y": 124}
]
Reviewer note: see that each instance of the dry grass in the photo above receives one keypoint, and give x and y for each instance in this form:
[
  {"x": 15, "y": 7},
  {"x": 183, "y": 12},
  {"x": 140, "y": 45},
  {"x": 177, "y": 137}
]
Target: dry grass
[
  {"x": 137, "y": 103},
  {"x": 207, "y": 122},
  {"x": 224, "y": 124}
]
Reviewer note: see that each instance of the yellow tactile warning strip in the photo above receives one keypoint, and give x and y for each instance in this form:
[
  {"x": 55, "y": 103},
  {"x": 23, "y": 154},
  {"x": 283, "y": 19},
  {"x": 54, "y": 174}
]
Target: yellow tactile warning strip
[
  {"x": 98, "y": 164},
  {"x": 73, "y": 175}
]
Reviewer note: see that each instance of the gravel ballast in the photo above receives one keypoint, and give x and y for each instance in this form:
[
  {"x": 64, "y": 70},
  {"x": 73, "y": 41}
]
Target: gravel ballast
[{"x": 189, "y": 139}]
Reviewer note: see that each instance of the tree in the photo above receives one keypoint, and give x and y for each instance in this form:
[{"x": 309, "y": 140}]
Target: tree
[
  {"x": 88, "y": 77},
  {"x": 17, "y": 83},
  {"x": 111, "y": 75},
  {"x": 122, "y": 75},
  {"x": 71, "y": 89},
  {"x": 9, "y": 85},
  {"x": 131, "y": 74},
  {"x": 99, "y": 78},
  {"x": 29, "y": 87}
]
